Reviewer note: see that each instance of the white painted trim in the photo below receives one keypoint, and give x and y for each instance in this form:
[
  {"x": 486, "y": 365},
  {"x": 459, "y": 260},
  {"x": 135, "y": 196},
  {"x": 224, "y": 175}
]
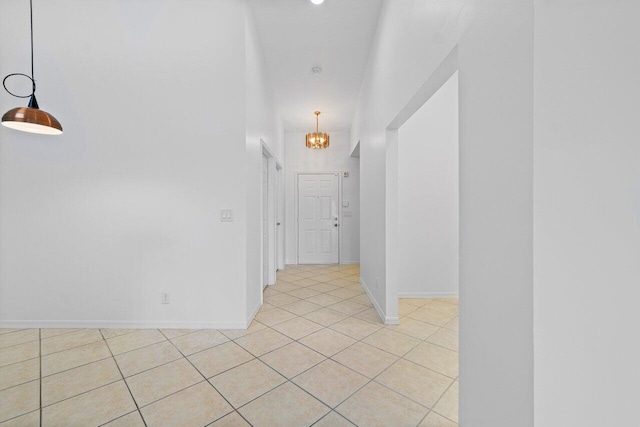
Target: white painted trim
[
  {"x": 436, "y": 80},
  {"x": 392, "y": 259},
  {"x": 265, "y": 149},
  {"x": 433, "y": 83},
  {"x": 427, "y": 294},
  {"x": 252, "y": 315},
  {"x": 272, "y": 197},
  {"x": 280, "y": 214},
  {"x": 93, "y": 324},
  {"x": 355, "y": 152},
  {"x": 297, "y": 210},
  {"x": 386, "y": 320},
  {"x": 349, "y": 262}
]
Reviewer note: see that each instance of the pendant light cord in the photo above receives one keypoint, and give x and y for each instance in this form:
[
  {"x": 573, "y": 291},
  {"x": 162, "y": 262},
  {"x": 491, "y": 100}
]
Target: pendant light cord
[
  {"x": 31, "y": 19},
  {"x": 33, "y": 82}
]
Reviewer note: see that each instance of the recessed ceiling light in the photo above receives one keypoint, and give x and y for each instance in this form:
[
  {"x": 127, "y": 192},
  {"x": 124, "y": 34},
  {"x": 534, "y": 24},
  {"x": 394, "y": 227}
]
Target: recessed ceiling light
[{"x": 317, "y": 1}]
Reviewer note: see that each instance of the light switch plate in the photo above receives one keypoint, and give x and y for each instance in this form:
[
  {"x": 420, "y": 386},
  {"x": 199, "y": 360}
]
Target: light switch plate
[
  {"x": 226, "y": 215},
  {"x": 345, "y": 203}
]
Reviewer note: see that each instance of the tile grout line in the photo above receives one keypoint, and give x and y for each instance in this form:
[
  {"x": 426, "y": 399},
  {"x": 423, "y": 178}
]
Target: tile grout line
[
  {"x": 40, "y": 367},
  {"x": 369, "y": 380},
  {"x": 399, "y": 358},
  {"x": 207, "y": 380},
  {"x": 121, "y": 416},
  {"x": 17, "y": 416},
  {"x": 357, "y": 340},
  {"x": 79, "y": 366},
  {"x": 138, "y": 410},
  {"x": 335, "y": 412},
  {"x": 448, "y": 388},
  {"x": 290, "y": 380},
  {"x": 123, "y": 379},
  {"x": 425, "y": 416},
  {"x": 16, "y": 363},
  {"x": 75, "y": 346},
  {"x": 439, "y": 399},
  {"x": 11, "y": 332},
  {"x": 104, "y": 358},
  {"x": 80, "y": 394},
  {"x": 287, "y": 380},
  {"x": 332, "y": 409},
  {"x": 18, "y": 344},
  {"x": 70, "y": 331}
]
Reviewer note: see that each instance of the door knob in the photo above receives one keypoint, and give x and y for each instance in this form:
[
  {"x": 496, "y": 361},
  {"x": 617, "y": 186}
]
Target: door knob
[
  {"x": 335, "y": 225},
  {"x": 277, "y": 223}
]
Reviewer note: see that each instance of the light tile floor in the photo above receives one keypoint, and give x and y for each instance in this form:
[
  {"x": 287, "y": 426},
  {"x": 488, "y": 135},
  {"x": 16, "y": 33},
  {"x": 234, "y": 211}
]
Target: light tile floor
[{"x": 316, "y": 354}]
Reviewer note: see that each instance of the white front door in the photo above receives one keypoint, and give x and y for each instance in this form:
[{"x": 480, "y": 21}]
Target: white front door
[
  {"x": 265, "y": 221},
  {"x": 318, "y": 219}
]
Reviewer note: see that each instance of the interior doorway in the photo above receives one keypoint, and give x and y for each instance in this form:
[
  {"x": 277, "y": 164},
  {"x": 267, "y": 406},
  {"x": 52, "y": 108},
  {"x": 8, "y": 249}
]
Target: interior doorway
[
  {"x": 318, "y": 217},
  {"x": 428, "y": 199},
  {"x": 422, "y": 229}
]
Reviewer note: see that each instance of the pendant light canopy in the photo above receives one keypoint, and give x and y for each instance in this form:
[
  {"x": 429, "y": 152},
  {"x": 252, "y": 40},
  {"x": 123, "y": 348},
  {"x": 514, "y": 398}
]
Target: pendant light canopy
[
  {"x": 31, "y": 118},
  {"x": 316, "y": 139}
]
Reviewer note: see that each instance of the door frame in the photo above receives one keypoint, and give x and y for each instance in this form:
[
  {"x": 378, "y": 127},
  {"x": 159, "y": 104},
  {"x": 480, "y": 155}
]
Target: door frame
[
  {"x": 265, "y": 234},
  {"x": 297, "y": 209},
  {"x": 271, "y": 215},
  {"x": 280, "y": 217}
]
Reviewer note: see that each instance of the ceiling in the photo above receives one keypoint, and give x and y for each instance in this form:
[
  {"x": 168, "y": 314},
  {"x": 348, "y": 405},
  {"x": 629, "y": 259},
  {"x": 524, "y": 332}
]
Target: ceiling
[{"x": 297, "y": 35}]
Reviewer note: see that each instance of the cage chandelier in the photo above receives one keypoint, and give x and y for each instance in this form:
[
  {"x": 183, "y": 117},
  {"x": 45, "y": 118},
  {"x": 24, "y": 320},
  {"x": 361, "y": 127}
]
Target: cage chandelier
[{"x": 317, "y": 139}]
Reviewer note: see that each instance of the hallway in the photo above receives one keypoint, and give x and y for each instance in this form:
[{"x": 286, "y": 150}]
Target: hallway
[{"x": 317, "y": 354}]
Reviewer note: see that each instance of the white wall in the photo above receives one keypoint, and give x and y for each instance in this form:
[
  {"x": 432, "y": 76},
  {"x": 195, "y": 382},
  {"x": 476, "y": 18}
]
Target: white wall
[
  {"x": 587, "y": 213},
  {"x": 96, "y": 223},
  {"x": 299, "y": 158},
  {"x": 495, "y": 42},
  {"x": 428, "y": 197},
  {"x": 496, "y": 218},
  {"x": 262, "y": 127},
  {"x": 584, "y": 223}
]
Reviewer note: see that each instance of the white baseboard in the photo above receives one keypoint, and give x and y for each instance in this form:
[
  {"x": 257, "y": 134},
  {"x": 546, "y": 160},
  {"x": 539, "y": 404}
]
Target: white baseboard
[
  {"x": 392, "y": 320},
  {"x": 427, "y": 294},
  {"x": 341, "y": 263},
  {"x": 387, "y": 320},
  {"x": 251, "y": 316},
  {"x": 95, "y": 324}
]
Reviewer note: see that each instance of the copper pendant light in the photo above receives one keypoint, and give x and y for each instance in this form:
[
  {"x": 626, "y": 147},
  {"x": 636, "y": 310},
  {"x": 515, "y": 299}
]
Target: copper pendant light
[
  {"x": 316, "y": 139},
  {"x": 31, "y": 118}
]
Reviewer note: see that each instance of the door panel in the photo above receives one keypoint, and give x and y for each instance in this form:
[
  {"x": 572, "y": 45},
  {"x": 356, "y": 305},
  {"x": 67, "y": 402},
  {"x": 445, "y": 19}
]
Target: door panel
[{"x": 318, "y": 219}]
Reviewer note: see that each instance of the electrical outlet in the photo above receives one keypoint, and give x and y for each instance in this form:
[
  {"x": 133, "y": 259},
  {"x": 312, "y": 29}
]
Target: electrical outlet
[{"x": 166, "y": 298}]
